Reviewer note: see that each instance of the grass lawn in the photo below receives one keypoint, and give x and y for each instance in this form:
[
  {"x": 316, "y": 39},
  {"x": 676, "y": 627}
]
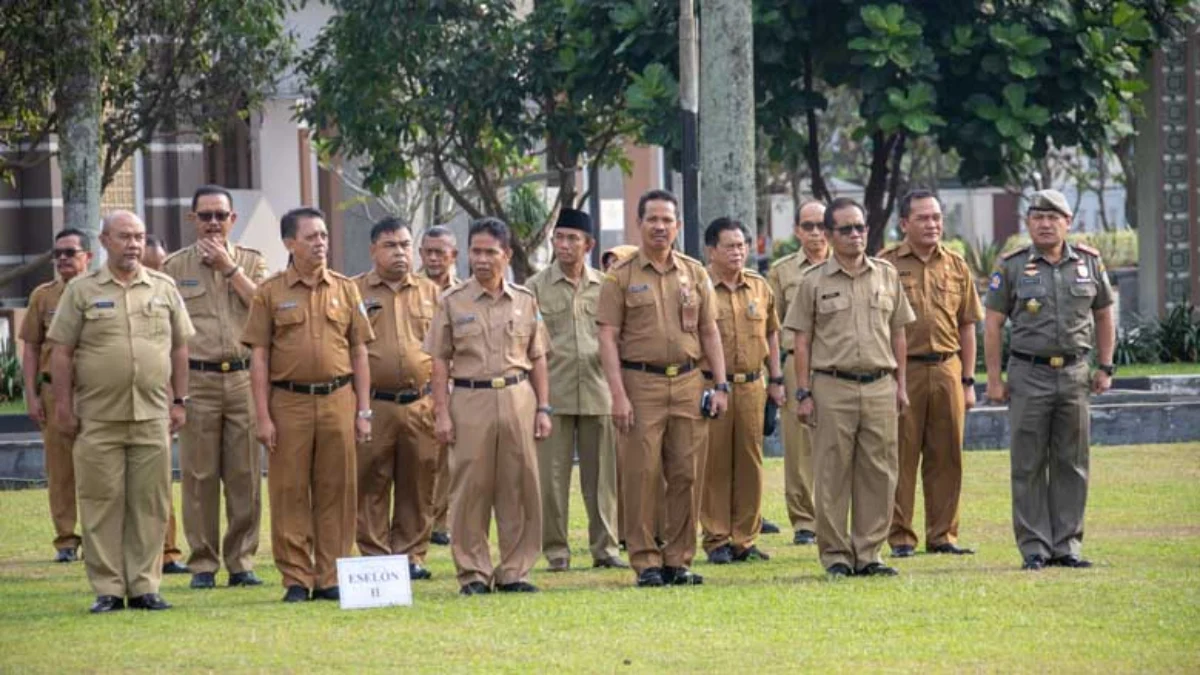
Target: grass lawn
[
  {"x": 1139, "y": 370},
  {"x": 12, "y": 407},
  {"x": 1137, "y": 610}
]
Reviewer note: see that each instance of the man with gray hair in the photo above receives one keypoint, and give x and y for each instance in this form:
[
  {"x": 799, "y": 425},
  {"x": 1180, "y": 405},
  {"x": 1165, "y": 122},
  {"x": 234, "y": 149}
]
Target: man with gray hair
[{"x": 439, "y": 255}]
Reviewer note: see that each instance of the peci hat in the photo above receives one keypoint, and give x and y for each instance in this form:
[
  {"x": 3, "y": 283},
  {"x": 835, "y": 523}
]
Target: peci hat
[
  {"x": 1049, "y": 200},
  {"x": 573, "y": 219}
]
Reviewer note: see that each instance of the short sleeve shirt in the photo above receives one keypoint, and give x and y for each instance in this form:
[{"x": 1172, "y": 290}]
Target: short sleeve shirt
[
  {"x": 1050, "y": 305},
  {"x": 401, "y": 314},
  {"x": 746, "y": 317},
  {"x": 850, "y": 318},
  {"x": 784, "y": 277},
  {"x": 942, "y": 294},
  {"x": 307, "y": 325},
  {"x": 658, "y": 309},
  {"x": 123, "y": 336},
  {"x": 577, "y": 384},
  {"x": 216, "y": 310},
  {"x": 42, "y": 305},
  {"x": 485, "y": 335}
]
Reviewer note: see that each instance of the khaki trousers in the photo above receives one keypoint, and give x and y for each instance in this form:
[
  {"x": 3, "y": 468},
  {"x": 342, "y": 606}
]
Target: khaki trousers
[
  {"x": 594, "y": 439},
  {"x": 854, "y": 457},
  {"x": 124, "y": 486},
  {"x": 441, "y": 490},
  {"x": 311, "y": 484},
  {"x": 730, "y": 509},
  {"x": 60, "y": 476},
  {"x": 402, "y": 452},
  {"x": 218, "y": 447},
  {"x": 667, "y": 437},
  {"x": 493, "y": 467},
  {"x": 931, "y": 435},
  {"x": 171, "y": 552},
  {"x": 797, "y": 461},
  {"x": 1048, "y": 413}
]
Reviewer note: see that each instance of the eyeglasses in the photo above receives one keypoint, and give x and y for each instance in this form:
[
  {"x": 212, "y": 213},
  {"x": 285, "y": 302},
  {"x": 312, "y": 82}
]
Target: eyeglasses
[
  {"x": 809, "y": 225},
  {"x": 67, "y": 252},
  {"x": 210, "y": 216},
  {"x": 846, "y": 230}
]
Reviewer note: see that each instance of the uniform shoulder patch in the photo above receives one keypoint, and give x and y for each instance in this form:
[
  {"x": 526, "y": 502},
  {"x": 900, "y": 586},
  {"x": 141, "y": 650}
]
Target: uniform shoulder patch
[
  {"x": 1014, "y": 253},
  {"x": 1086, "y": 249},
  {"x": 996, "y": 280}
]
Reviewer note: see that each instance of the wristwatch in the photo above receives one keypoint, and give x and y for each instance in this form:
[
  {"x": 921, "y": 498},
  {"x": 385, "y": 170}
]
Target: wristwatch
[
  {"x": 722, "y": 386},
  {"x": 775, "y": 380},
  {"x": 802, "y": 393},
  {"x": 366, "y": 414},
  {"x": 233, "y": 271},
  {"x": 549, "y": 410},
  {"x": 968, "y": 381},
  {"x": 181, "y": 400},
  {"x": 1109, "y": 370}
]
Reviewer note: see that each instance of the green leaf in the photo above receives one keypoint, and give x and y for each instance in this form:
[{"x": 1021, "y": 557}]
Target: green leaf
[
  {"x": 918, "y": 123},
  {"x": 873, "y": 17},
  {"x": 1022, "y": 68},
  {"x": 1009, "y": 127}
]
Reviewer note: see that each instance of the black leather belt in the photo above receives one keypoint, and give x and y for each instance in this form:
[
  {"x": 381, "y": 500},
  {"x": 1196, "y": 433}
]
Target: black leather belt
[
  {"x": 736, "y": 378},
  {"x": 673, "y": 370},
  {"x": 219, "y": 366},
  {"x": 932, "y": 358},
  {"x": 1052, "y": 361},
  {"x": 322, "y": 389},
  {"x": 861, "y": 378},
  {"x": 403, "y": 396},
  {"x": 494, "y": 383}
]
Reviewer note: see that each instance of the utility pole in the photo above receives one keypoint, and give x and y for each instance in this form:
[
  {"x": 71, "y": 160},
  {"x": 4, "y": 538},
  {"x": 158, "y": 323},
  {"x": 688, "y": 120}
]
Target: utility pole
[
  {"x": 727, "y": 103},
  {"x": 688, "y": 86}
]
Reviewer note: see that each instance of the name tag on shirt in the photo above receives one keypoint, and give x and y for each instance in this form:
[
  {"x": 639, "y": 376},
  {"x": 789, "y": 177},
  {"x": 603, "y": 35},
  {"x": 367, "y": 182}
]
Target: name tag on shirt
[
  {"x": 831, "y": 295},
  {"x": 104, "y": 304},
  {"x": 639, "y": 288},
  {"x": 464, "y": 319},
  {"x": 287, "y": 305},
  {"x": 189, "y": 282}
]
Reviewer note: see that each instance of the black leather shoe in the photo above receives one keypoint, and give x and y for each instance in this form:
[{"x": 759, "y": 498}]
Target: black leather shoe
[
  {"x": 903, "y": 551},
  {"x": 474, "y": 588},
  {"x": 1033, "y": 562},
  {"x": 295, "y": 594},
  {"x": 417, "y": 573},
  {"x": 440, "y": 538},
  {"x": 750, "y": 554},
  {"x": 613, "y": 563},
  {"x": 517, "y": 587},
  {"x": 804, "y": 537},
  {"x": 1069, "y": 561},
  {"x": 331, "y": 593},
  {"x": 721, "y": 555},
  {"x": 681, "y": 576},
  {"x": 107, "y": 603},
  {"x": 175, "y": 567},
  {"x": 876, "y": 570},
  {"x": 951, "y": 549},
  {"x": 150, "y": 601},
  {"x": 247, "y": 578},
  {"x": 768, "y": 527},
  {"x": 839, "y": 570},
  {"x": 203, "y": 580},
  {"x": 651, "y": 577},
  {"x": 66, "y": 555}
]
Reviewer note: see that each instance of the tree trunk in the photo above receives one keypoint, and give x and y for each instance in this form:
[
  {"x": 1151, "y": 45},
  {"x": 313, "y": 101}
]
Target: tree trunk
[
  {"x": 878, "y": 199},
  {"x": 77, "y": 100},
  {"x": 17, "y": 273},
  {"x": 1124, "y": 152},
  {"x": 727, "y": 112}
]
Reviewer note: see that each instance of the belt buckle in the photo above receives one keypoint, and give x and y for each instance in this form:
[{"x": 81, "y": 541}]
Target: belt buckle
[
  {"x": 739, "y": 378},
  {"x": 225, "y": 366},
  {"x": 1057, "y": 361},
  {"x": 499, "y": 383},
  {"x": 672, "y": 370}
]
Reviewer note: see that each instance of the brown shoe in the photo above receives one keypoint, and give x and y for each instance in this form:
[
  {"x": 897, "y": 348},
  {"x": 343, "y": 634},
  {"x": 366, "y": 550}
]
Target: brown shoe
[
  {"x": 613, "y": 563},
  {"x": 560, "y": 565}
]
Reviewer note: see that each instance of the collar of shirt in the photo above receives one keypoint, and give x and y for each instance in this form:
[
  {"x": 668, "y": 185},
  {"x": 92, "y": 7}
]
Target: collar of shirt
[
  {"x": 292, "y": 277},
  {"x": 832, "y": 266},
  {"x": 1067, "y": 254},
  {"x": 104, "y": 275},
  {"x": 476, "y": 290},
  {"x": 906, "y": 249},
  {"x": 738, "y": 282},
  {"x": 644, "y": 261},
  {"x": 374, "y": 279},
  {"x": 590, "y": 275}
]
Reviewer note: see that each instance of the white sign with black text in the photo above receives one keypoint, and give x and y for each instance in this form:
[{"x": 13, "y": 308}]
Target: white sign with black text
[{"x": 375, "y": 581}]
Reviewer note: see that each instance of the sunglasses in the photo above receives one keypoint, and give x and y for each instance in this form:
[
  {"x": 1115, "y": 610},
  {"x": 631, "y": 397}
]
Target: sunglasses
[
  {"x": 847, "y": 230},
  {"x": 210, "y": 216},
  {"x": 67, "y": 252},
  {"x": 809, "y": 225}
]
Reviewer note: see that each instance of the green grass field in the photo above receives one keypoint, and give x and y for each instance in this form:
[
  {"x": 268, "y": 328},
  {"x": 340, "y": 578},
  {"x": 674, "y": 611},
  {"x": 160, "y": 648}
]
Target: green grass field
[
  {"x": 1137, "y": 610},
  {"x": 12, "y": 407}
]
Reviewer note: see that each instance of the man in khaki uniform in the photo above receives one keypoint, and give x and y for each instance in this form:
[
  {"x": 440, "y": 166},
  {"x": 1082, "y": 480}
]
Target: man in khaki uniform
[
  {"x": 731, "y": 480},
  {"x": 72, "y": 253},
  {"x": 309, "y": 332},
  {"x": 439, "y": 255},
  {"x": 657, "y": 317},
  {"x": 154, "y": 256},
  {"x": 402, "y": 451},
  {"x": 567, "y": 292},
  {"x": 941, "y": 383},
  {"x": 1058, "y": 299},
  {"x": 784, "y": 278},
  {"x": 120, "y": 351},
  {"x": 848, "y": 316},
  {"x": 489, "y": 340},
  {"x": 217, "y": 281}
]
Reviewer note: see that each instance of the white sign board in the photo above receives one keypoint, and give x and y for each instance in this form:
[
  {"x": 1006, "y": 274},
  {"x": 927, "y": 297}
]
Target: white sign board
[{"x": 375, "y": 581}]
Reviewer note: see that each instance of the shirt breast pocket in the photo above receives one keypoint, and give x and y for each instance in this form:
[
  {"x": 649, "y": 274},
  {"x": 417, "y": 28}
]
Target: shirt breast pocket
[
  {"x": 195, "y": 299},
  {"x": 288, "y": 322},
  {"x": 101, "y": 321},
  {"x": 883, "y": 301},
  {"x": 557, "y": 314},
  {"x": 338, "y": 317},
  {"x": 1083, "y": 293},
  {"x": 155, "y": 319},
  {"x": 1030, "y": 291}
]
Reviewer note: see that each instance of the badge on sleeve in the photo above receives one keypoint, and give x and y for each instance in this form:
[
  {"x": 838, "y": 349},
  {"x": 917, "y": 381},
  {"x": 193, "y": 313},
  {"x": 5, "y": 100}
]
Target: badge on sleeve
[{"x": 996, "y": 282}]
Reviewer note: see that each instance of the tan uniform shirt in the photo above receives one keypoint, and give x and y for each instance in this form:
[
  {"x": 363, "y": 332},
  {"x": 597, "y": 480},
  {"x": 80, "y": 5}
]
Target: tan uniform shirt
[
  {"x": 577, "y": 384},
  {"x": 659, "y": 309},
  {"x": 309, "y": 329},
  {"x": 451, "y": 281},
  {"x": 942, "y": 294},
  {"x": 400, "y": 316},
  {"x": 850, "y": 319},
  {"x": 746, "y": 316},
  {"x": 123, "y": 336},
  {"x": 487, "y": 336},
  {"x": 784, "y": 278},
  {"x": 1050, "y": 305},
  {"x": 42, "y": 305},
  {"x": 216, "y": 310}
]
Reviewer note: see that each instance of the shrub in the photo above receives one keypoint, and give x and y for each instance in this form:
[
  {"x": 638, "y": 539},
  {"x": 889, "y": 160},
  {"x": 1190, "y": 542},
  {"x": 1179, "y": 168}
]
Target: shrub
[
  {"x": 1137, "y": 344},
  {"x": 11, "y": 379},
  {"x": 1179, "y": 335}
]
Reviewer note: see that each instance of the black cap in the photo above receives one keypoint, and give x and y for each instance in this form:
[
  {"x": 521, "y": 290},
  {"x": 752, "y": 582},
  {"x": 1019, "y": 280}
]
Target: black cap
[{"x": 573, "y": 219}]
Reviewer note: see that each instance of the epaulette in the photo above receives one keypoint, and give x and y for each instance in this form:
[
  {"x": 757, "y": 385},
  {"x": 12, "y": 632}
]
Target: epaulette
[
  {"x": 274, "y": 276},
  {"x": 753, "y": 274},
  {"x": 815, "y": 266},
  {"x": 521, "y": 288},
  {"x": 176, "y": 254},
  {"x": 248, "y": 249},
  {"x": 621, "y": 262},
  {"x": 689, "y": 258},
  {"x": 1086, "y": 249},
  {"x": 889, "y": 250},
  {"x": 454, "y": 288},
  {"x": 786, "y": 258},
  {"x": 885, "y": 263},
  {"x": 362, "y": 275},
  {"x": 338, "y": 275},
  {"x": 161, "y": 276},
  {"x": 1014, "y": 253},
  {"x": 46, "y": 285}
]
